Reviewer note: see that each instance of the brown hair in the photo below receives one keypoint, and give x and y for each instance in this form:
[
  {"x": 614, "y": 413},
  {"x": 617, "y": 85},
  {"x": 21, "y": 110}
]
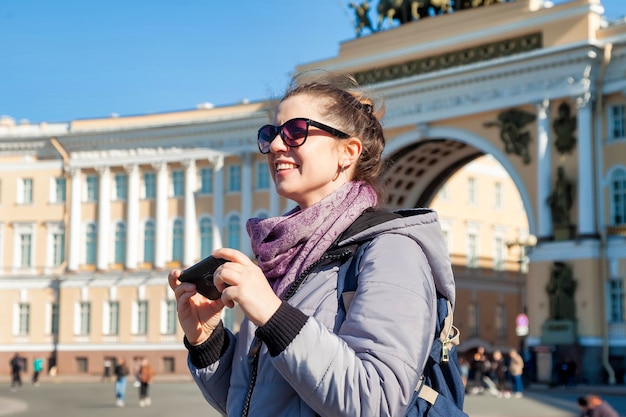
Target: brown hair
[{"x": 351, "y": 111}]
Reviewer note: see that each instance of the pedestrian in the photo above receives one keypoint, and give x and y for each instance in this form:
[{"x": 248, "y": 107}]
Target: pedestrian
[
  {"x": 121, "y": 373},
  {"x": 498, "y": 374},
  {"x": 516, "y": 369},
  {"x": 594, "y": 406},
  {"x": 37, "y": 368},
  {"x": 17, "y": 366},
  {"x": 464, "y": 369},
  {"x": 106, "y": 372},
  {"x": 290, "y": 356},
  {"x": 145, "y": 378},
  {"x": 480, "y": 366}
]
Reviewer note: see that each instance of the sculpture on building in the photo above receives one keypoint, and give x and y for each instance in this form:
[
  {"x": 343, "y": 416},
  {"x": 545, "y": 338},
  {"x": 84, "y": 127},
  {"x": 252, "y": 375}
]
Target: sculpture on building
[
  {"x": 405, "y": 11},
  {"x": 561, "y": 200},
  {"x": 402, "y": 10},
  {"x": 363, "y": 21},
  {"x": 511, "y": 124},
  {"x": 565, "y": 128},
  {"x": 561, "y": 288}
]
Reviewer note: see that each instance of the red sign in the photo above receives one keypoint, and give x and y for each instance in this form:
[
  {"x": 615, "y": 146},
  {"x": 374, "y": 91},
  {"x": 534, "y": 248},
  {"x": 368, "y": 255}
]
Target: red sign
[{"x": 521, "y": 320}]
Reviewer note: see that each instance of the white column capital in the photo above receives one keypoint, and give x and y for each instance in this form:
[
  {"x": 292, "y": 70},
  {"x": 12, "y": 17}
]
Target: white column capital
[{"x": 217, "y": 161}]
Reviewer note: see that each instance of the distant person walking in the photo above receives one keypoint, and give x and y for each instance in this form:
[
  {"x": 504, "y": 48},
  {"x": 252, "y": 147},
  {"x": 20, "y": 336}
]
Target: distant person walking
[
  {"x": 121, "y": 373},
  {"x": 106, "y": 372},
  {"x": 516, "y": 369},
  {"x": 37, "y": 368},
  {"x": 145, "y": 378},
  {"x": 17, "y": 365}
]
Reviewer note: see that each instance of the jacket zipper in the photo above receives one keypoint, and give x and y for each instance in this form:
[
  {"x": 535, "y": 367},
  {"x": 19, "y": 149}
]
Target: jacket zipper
[{"x": 253, "y": 354}]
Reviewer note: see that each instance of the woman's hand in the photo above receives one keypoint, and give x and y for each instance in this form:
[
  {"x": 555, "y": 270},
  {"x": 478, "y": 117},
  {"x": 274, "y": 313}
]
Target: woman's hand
[
  {"x": 243, "y": 282},
  {"x": 198, "y": 316}
]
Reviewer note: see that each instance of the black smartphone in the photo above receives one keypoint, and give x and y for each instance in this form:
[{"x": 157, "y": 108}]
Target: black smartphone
[{"x": 201, "y": 274}]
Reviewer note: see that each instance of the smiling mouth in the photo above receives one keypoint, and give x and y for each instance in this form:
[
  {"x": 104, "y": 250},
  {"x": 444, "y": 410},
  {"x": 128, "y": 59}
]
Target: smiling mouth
[{"x": 285, "y": 166}]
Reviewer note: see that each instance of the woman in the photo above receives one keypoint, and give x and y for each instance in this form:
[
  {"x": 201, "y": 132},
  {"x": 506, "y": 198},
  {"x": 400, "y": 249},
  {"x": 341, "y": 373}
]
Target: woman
[
  {"x": 121, "y": 373},
  {"x": 324, "y": 151}
]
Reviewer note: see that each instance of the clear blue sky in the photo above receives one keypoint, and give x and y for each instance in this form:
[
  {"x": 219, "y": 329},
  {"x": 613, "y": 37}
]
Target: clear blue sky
[{"x": 74, "y": 59}]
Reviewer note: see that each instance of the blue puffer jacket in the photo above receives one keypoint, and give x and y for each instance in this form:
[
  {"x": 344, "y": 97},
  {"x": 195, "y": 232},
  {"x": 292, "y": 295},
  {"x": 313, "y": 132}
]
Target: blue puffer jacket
[{"x": 370, "y": 366}]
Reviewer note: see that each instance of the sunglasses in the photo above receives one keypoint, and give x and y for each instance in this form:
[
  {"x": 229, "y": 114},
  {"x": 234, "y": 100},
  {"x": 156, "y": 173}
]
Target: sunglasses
[{"x": 293, "y": 133}]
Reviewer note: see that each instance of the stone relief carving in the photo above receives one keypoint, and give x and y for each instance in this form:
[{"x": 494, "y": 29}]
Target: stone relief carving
[
  {"x": 565, "y": 128},
  {"x": 512, "y": 134},
  {"x": 561, "y": 289}
]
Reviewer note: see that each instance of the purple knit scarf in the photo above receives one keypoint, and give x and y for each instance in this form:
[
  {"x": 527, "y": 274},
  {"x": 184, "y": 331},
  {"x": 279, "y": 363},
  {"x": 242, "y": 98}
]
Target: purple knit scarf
[{"x": 284, "y": 246}]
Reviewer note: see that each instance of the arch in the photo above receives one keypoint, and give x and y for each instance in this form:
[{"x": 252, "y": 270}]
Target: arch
[{"x": 420, "y": 134}]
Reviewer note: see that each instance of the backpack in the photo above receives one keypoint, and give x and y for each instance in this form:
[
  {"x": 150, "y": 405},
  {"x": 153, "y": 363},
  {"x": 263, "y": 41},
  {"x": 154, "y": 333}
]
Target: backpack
[{"x": 440, "y": 391}]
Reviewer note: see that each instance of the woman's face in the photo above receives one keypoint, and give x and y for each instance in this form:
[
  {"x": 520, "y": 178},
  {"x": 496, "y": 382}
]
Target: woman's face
[{"x": 308, "y": 173}]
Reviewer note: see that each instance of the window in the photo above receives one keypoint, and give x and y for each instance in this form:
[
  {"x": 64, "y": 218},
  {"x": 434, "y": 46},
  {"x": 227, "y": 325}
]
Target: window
[
  {"x": 169, "y": 318},
  {"x": 112, "y": 318},
  {"x": 90, "y": 244},
  {"x": 471, "y": 190},
  {"x": 617, "y": 121},
  {"x": 501, "y": 320},
  {"x": 142, "y": 317},
  {"x": 23, "y": 319},
  {"x": 25, "y": 248},
  {"x": 206, "y": 237},
  {"x": 618, "y": 197},
  {"x": 234, "y": 178},
  {"x": 473, "y": 319},
  {"x": 120, "y": 243},
  {"x": 54, "y": 319},
  {"x": 206, "y": 180},
  {"x": 262, "y": 176},
  {"x": 616, "y": 301},
  {"x": 168, "y": 365},
  {"x": 58, "y": 246},
  {"x": 82, "y": 365},
  {"x": 234, "y": 230},
  {"x": 121, "y": 186},
  {"x": 178, "y": 184},
  {"x": 177, "y": 240},
  {"x": 92, "y": 188},
  {"x": 148, "y": 242},
  {"x": 84, "y": 319},
  {"x": 25, "y": 191},
  {"x": 472, "y": 250},
  {"x": 149, "y": 185},
  {"x": 498, "y": 253},
  {"x": 59, "y": 190},
  {"x": 498, "y": 195}
]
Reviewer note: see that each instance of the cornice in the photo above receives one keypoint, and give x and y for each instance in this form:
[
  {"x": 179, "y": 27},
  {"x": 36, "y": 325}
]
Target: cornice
[{"x": 509, "y": 82}]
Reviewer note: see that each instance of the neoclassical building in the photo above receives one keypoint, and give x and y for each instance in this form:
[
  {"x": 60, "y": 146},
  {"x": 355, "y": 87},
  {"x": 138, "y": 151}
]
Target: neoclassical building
[{"x": 508, "y": 119}]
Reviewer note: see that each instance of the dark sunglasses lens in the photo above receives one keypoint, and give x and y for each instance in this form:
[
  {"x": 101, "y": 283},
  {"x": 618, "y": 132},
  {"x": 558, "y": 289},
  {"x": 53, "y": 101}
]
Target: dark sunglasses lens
[
  {"x": 266, "y": 136},
  {"x": 295, "y": 131}
]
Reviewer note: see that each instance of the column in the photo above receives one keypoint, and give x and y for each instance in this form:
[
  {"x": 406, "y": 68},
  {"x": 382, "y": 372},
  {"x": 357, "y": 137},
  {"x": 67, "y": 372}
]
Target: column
[
  {"x": 104, "y": 217},
  {"x": 132, "y": 217},
  {"x": 544, "y": 217},
  {"x": 584, "y": 193},
  {"x": 160, "y": 234},
  {"x": 218, "y": 200},
  {"x": 246, "y": 200},
  {"x": 73, "y": 259},
  {"x": 191, "y": 220}
]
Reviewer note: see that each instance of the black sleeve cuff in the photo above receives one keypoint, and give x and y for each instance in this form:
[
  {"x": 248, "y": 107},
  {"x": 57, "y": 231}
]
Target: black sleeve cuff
[
  {"x": 210, "y": 350},
  {"x": 281, "y": 328}
]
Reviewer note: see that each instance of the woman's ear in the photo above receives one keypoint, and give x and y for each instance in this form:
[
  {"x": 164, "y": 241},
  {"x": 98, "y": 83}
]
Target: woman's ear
[{"x": 351, "y": 151}]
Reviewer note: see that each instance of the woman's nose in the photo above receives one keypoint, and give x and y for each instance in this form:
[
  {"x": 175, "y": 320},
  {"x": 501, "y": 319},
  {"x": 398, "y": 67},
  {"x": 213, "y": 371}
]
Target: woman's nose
[{"x": 278, "y": 144}]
